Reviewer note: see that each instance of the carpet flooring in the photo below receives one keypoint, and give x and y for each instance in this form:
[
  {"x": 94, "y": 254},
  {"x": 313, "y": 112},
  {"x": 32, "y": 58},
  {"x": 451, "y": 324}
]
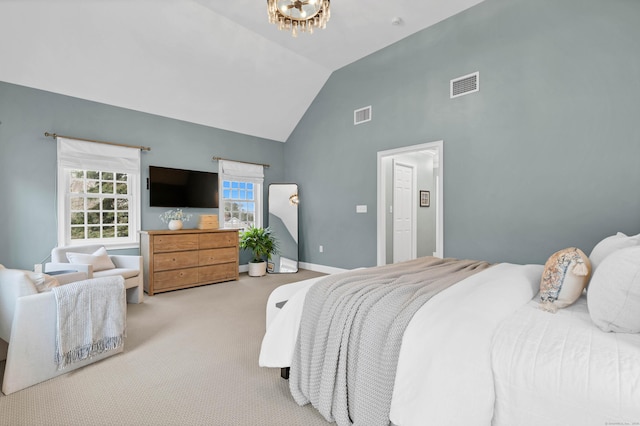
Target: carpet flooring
[{"x": 190, "y": 358}]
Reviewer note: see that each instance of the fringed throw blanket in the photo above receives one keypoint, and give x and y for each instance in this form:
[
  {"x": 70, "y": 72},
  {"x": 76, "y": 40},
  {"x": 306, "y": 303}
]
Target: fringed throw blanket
[
  {"x": 350, "y": 334},
  {"x": 91, "y": 318}
]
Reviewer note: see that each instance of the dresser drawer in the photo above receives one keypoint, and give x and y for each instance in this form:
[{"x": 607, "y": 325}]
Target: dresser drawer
[
  {"x": 214, "y": 273},
  {"x": 164, "y": 243},
  {"x": 175, "y": 260},
  {"x": 219, "y": 239},
  {"x": 175, "y": 279},
  {"x": 216, "y": 256}
]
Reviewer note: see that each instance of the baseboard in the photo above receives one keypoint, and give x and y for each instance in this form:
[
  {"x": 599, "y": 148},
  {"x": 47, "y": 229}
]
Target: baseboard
[
  {"x": 304, "y": 265},
  {"x": 321, "y": 268}
]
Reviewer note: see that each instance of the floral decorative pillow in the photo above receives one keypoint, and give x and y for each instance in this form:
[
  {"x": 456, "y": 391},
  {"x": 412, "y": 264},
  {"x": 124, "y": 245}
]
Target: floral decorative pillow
[{"x": 566, "y": 274}]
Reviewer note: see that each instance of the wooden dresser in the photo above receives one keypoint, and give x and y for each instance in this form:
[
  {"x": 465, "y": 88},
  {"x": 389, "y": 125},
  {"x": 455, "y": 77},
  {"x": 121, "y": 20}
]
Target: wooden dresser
[{"x": 188, "y": 258}]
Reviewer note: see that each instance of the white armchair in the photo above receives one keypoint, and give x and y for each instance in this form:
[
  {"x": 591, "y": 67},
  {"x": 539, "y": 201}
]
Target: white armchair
[
  {"x": 28, "y": 333},
  {"x": 128, "y": 266}
]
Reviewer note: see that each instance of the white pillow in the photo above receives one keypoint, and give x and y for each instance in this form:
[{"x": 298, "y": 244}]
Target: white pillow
[
  {"x": 99, "y": 259},
  {"x": 613, "y": 297},
  {"x": 43, "y": 282},
  {"x": 609, "y": 245}
]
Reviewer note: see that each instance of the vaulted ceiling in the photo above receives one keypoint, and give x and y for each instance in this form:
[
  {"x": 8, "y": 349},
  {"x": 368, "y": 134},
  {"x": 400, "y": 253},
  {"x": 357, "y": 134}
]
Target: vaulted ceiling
[{"x": 212, "y": 62}]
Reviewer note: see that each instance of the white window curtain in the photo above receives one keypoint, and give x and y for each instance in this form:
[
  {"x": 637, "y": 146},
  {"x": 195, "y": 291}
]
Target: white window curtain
[
  {"x": 78, "y": 154},
  {"x": 233, "y": 170},
  {"x": 75, "y": 154}
]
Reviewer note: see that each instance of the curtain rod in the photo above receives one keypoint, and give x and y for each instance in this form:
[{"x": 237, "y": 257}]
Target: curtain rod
[
  {"x": 141, "y": 148},
  {"x": 245, "y": 162}
]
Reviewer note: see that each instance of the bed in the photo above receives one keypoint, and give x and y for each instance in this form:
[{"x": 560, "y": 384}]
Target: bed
[{"x": 479, "y": 352}]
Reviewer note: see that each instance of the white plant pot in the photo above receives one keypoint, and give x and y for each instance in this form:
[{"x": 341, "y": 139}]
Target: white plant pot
[{"x": 257, "y": 269}]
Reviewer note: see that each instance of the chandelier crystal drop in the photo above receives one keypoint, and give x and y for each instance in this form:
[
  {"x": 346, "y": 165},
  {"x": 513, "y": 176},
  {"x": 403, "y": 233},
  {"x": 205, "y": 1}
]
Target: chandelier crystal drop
[{"x": 299, "y": 15}]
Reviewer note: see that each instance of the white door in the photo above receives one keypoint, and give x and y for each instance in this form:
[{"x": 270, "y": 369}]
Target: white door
[{"x": 403, "y": 210}]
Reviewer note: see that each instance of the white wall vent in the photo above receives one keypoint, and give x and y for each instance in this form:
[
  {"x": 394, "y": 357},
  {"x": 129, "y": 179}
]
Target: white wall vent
[
  {"x": 362, "y": 115},
  {"x": 464, "y": 85}
]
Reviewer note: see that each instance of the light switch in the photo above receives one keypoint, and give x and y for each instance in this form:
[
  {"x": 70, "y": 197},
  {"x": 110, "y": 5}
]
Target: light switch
[{"x": 361, "y": 208}]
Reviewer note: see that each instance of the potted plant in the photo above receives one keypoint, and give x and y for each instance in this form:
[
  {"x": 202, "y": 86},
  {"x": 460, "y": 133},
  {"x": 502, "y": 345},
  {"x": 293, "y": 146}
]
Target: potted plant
[{"x": 262, "y": 243}]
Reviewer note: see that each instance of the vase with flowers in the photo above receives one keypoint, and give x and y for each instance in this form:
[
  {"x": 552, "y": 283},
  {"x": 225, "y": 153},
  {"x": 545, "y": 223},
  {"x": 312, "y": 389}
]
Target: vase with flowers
[{"x": 175, "y": 218}]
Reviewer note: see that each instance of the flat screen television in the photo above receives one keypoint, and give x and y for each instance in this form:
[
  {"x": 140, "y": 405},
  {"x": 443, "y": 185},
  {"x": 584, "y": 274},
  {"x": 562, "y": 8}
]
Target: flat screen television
[{"x": 182, "y": 188}]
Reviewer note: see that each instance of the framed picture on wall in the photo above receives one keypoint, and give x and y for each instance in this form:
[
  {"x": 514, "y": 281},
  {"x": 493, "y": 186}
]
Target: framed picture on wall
[{"x": 425, "y": 198}]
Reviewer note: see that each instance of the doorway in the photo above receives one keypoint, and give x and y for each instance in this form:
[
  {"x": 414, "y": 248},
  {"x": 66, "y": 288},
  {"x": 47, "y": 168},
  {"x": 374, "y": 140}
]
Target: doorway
[{"x": 408, "y": 228}]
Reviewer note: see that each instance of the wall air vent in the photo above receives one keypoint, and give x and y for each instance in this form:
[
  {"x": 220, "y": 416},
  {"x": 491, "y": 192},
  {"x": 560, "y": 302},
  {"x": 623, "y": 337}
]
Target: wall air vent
[
  {"x": 362, "y": 115},
  {"x": 464, "y": 85}
]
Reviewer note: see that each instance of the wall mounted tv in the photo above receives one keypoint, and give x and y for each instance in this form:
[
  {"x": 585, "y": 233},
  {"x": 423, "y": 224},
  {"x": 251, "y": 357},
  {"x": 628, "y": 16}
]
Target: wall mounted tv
[{"x": 182, "y": 188}]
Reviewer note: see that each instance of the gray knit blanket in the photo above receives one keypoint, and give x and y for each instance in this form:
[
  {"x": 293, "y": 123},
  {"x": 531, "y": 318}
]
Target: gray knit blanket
[
  {"x": 91, "y": 318},
  {"x": 352, "y": 324}
]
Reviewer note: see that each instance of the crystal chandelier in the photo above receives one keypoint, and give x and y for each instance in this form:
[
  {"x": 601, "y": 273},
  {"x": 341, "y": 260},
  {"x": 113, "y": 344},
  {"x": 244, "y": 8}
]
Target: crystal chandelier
[{"x": 299, "y": 15}]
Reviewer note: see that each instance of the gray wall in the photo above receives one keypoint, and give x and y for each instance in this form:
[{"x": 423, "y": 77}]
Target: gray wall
[
  {"x": 544, "y": 157},
  {"x": 28, "y": 161},
  {"x": 426, "y": 216}
]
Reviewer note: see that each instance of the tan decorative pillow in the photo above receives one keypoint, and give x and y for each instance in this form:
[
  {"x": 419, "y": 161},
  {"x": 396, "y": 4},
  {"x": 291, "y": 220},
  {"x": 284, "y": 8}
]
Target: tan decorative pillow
[
  {"x": 565, "y": 276},
  {"x": 99, "y": 259},
  {"x": 43, "y": 282}
]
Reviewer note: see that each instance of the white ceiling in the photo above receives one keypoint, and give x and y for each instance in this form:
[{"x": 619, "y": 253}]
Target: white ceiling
[{"x": 212, "y": 62}]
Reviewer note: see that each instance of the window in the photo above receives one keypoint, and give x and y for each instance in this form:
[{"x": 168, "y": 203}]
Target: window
[
  {"x": 239, "y": 204},
  {"x": 98, "y": 194},
  {"x": 241, "y": 189},
  {"x": 98, "y": 204}
]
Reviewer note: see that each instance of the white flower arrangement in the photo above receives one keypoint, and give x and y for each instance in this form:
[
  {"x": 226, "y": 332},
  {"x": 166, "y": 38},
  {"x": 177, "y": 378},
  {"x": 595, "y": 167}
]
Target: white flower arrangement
[{"x": 176, "y": 214}]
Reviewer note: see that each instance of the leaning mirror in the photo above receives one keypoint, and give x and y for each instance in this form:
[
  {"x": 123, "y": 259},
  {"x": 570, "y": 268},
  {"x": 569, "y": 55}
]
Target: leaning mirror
[{"x": 283, "y": 221}]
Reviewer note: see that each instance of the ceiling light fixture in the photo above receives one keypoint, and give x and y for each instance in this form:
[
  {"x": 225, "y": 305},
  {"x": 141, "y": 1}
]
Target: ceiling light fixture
[{"x": 299, "y": 15}]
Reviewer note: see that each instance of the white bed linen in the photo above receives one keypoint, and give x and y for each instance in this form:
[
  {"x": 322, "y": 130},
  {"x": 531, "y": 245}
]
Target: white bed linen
[
  {"x": 449, "y": 385},
  {"x": 560, "y": 369},
  {"x": 283, "y": 323},
  {"x": 444, "y": 369}
]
